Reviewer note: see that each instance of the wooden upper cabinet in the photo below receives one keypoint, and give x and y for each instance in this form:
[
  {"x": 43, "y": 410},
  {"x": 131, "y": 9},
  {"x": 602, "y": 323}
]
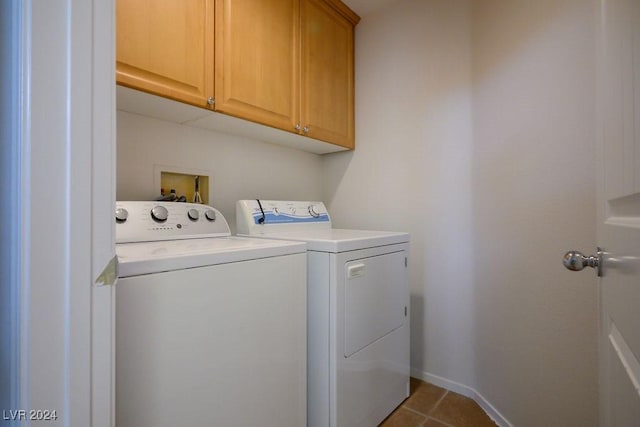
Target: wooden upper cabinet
[
  {"x": 287, "y": 64},
  {"x": 165, "y": 47},
  {"x": 257, "y": 61},
  {"x": 327, "y": 98}
]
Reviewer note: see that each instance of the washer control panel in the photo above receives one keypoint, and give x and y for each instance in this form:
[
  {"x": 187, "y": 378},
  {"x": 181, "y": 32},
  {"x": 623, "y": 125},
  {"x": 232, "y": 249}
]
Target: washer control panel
[
  {"x": 254, "y": 216},
  {"x": 152, "y": 221}
]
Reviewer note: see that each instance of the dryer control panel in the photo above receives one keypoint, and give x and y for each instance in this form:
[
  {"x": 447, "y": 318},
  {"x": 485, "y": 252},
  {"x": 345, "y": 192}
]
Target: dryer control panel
[
  {"x": 261, "y": 216},
  {"x": 153, "y": 221}
]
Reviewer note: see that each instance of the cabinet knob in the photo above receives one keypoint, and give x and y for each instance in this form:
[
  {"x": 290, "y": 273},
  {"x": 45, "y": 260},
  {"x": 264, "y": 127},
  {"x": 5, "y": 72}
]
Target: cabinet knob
[
  {"x": 305, "y": 129},
  {"x": 211, "y": 100},
  {"x": 297, "y": 127}
]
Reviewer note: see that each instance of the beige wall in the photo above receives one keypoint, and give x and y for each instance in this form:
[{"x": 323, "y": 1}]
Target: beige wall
[
  {"x": 534, "y": 198},
  {"x": 240, "y": 168},
  {"x": 475, "y": 133}
]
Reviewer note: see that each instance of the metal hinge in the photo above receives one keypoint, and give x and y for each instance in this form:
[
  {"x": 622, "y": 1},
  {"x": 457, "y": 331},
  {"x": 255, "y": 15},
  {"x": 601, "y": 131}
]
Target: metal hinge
[
  {"x": 405, "y": 311},
  {"x": 405, "y": 261}
]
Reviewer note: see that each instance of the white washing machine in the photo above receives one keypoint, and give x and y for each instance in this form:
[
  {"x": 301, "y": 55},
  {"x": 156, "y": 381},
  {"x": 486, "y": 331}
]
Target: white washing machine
[
  {"x": 210, "y": 329},
  {"x": 358, "y": 310}
]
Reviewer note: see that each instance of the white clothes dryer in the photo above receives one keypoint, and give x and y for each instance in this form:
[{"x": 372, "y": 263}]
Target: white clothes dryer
[
  {"x": 210, "y": 329},
  {"x": 358, "y": 310}
]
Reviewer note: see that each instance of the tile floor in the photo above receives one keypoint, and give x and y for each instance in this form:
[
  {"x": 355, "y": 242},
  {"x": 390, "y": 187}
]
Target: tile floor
[{"x": 432, "y": 406}]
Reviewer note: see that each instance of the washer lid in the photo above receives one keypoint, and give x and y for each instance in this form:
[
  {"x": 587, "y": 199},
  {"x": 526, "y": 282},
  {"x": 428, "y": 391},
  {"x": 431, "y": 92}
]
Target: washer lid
[
  {"x": 339, "y": 240},
  {"x": 155, "y": 257}
]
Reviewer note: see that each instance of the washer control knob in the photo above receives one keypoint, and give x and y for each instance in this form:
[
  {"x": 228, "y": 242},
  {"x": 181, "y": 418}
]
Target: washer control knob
[
  {"x": 210, "y": 215},
  {"x": 121, "y": 214},
  {"x": 159, "y": 214},
  {"x": 193, "y": 214},
  {"x": 312, "y": 211}
]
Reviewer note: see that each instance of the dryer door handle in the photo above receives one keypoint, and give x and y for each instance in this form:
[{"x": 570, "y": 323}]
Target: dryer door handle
[{"x": 356, "y": 270}]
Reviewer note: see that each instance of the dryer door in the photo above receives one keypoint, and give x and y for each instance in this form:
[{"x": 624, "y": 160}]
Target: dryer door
[{"x": 375, "y": 300}]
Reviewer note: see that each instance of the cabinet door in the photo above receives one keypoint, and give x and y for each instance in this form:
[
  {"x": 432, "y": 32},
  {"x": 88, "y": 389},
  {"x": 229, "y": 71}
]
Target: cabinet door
[
  {"x": 257, "y": 74},
  {"x": 327, "y": 74},
  {"x": 165, "y": 47}
]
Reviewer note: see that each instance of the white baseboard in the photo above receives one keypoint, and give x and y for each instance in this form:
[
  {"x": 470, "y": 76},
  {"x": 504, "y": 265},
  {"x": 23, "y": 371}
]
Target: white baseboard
[{"x": 465, "y": 391}]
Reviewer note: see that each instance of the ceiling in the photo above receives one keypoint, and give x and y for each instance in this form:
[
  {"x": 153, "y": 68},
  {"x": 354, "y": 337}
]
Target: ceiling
[{"x": 364, "y": 7}]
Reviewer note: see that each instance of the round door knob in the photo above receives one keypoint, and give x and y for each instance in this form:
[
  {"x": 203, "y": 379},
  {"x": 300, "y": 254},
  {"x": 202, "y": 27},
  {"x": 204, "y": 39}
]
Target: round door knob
[
  {"x": 210, "y": 215},
  {"x": 159, "y": 214},
  {"x": 193, "y": 214},
  {"x": 121, "y": 215},
  {"x": 576, "y": 261}
]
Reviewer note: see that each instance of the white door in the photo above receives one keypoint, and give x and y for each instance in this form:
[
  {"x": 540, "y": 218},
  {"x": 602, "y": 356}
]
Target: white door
[{"x": 619, "y": 211}]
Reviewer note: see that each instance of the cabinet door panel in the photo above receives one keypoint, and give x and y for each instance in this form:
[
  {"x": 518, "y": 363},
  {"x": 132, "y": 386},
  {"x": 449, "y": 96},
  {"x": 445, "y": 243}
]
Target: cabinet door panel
[
  {"x": 166, "y": 47},
  {"x": 327, "y": 74},
  {"x": 257, "y": 73}
]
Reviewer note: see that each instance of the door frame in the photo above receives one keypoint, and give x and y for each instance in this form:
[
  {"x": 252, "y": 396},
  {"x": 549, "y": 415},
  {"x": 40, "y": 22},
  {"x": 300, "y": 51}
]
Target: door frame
[
  {"x": 10, "y": 176},
  {"x": 64, "y": 164}
]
